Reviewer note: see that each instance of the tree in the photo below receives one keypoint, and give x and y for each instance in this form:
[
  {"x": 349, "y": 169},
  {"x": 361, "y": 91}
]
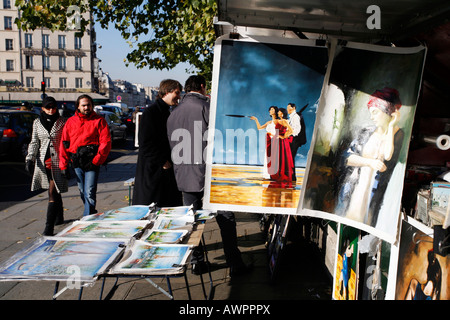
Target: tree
[{"x": 161, "y": 33}]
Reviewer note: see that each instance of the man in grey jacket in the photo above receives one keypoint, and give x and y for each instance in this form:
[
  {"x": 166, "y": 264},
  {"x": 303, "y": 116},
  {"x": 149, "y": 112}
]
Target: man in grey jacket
[
  {"x": 186, "y": 127},
  {"x": 186, "y": 130}
]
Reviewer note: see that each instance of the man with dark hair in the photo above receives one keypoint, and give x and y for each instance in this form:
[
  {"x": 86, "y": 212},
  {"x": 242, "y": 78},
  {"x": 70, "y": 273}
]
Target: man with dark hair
[
  {"x": 186, "y": 130},
  {"x": 298, "y": 137},
  {"x": 189, "y": 122},
  {"x": 155, "y": 179},
  {"x": 86, "y": 143}
]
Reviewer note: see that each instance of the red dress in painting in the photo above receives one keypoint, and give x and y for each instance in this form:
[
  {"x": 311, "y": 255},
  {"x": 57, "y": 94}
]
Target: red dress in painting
[{"x": 280, "y": 164}]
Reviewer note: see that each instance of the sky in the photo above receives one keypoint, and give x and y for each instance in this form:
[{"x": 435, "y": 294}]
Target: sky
[{"x": 114, "y": 50}]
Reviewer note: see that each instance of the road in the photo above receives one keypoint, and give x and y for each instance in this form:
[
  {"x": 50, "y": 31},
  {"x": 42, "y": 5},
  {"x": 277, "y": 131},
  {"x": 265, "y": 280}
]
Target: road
[{"x": 15, "y": 182}]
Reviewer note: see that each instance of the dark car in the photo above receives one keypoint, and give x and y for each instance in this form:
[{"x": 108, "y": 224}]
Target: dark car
[
  {"x": 15, "y": 132},
  {"x": 116, "y": 127},
  {"x": 115, "y": 109},
  {"x": 131, "y": 126}
]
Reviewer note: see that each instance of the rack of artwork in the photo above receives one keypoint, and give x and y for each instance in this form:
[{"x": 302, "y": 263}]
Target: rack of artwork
[
  {"x": 362, "y": 101},
  {"x": 133, "y": 240}
]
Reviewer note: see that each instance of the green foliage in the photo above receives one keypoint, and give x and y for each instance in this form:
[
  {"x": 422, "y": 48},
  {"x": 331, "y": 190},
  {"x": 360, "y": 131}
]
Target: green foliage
[
  {"x": 52, "y": 15},
  {"x": 161, "y": 33}
]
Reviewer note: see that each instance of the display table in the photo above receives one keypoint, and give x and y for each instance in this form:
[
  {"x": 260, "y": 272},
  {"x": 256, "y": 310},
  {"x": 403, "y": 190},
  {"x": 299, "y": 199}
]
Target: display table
[
  {"x": 134, "y": 242},
  {"x": 196, "y": 238}
]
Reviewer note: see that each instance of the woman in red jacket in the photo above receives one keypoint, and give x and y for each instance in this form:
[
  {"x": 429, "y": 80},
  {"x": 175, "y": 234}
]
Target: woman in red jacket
[{"x": 86, "y": 143}]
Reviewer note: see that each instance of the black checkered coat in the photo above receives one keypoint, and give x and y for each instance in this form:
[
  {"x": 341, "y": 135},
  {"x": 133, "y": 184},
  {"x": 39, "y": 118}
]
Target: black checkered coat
[{"x": 37, "y": 149}]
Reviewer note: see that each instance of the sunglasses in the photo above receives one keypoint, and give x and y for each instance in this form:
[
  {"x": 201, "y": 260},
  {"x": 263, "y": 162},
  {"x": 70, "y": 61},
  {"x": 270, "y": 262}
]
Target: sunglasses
[{"x": 50, "y": 107}]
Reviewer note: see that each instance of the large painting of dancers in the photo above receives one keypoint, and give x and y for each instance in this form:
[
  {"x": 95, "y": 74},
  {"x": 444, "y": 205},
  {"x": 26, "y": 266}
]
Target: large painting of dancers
[
  {"x": 357, "y": 162},
  {"x": 263, "y": 108}
]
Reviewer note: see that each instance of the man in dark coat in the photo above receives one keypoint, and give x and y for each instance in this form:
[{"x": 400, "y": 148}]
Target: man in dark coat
[
  {"x": 155, "y": 179},
  {"x": 186, "y": 131}
]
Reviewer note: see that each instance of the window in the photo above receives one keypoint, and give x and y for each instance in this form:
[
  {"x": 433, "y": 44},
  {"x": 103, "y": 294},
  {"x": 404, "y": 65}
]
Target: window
[
  {"x": 62, "y": 63},
  {"x": 8, "y": 23},
  {"x": 46, "y": 62},
  {"x": 61, "y": 42},
  {"x": 78, "y": 82},
  {"x": 45, "y": 41},
  {"x": 8, "y": 44},
  {"x": 28, "y": 62},
  {"x": 77, "y": 42},
  {"x": 6, "y": 4},
  {"x": 9, "y": 65},
  {"x": 30, "y": 82},
  {"x": 78, "y": 65},
  {"x": 47, "y": 82},
  {"x": 28, "y": 40},
  {"x": 63, "y": 83},
  {"x": 114, "y": 118}
]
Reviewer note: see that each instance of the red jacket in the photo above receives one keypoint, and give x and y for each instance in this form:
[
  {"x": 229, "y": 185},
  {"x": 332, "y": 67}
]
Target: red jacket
[{"x": 81, "y": 130}]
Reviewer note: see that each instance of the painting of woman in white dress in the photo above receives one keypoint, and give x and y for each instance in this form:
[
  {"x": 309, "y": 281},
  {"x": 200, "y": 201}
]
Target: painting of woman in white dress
[
  {"x": 278, "y": 162},
  {"x": 371, "y": 158},
  {"x": 360, "y": 144},
  {"x": 269, "y": 126}
]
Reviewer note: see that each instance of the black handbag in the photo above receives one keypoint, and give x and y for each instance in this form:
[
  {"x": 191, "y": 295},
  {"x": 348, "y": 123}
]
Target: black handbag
[{"x": 84, "y": 156}]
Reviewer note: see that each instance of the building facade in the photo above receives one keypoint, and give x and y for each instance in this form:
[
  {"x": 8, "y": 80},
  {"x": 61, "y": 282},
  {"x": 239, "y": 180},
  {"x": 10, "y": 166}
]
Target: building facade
[{"x": 65, "y": 62}]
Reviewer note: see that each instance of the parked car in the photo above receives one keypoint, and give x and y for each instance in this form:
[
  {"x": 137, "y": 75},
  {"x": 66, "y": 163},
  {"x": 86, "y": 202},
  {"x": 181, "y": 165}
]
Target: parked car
[
  {"x": 121, "y": 105},
  {"x": 16, "y": 127},
  {"x": 117, "y": 129},
  {"x": 117, "y": 110}
]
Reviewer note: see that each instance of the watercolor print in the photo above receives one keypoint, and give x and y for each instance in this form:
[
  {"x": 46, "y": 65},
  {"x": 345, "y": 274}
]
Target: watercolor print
[
  {"x": 136, "y": 212},
  {"x": 164, "y": 236},
  {"x": 164, "y": 223},
  {"x": 421, "y": 273},
  {"x": 175, "y": 211},
  {"x": 251, "y": 164},
  {"x": 123, "y": 230},
  {"x": 56, "y": 259},
  {"x": 204, "y": 214},
  {"x": 357, "y": 163},
  {"x": 346, "y": 277},
  {"x": 145, "y": 258}
]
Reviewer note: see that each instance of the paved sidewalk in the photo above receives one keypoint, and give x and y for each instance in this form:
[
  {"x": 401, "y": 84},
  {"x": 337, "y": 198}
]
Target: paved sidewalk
[{"x": 299, "y": 276}]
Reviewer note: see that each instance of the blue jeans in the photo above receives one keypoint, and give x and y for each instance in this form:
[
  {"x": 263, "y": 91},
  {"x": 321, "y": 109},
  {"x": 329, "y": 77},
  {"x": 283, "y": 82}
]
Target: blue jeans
[{"x": 87, "y": 184}]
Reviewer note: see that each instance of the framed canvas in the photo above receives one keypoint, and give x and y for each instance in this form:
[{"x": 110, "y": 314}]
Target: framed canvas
[
  {"x": 356, "y": 166},
  {"x": 347, "y": 264},
  {"x": 421, "y": 273},
  {"x": 249, "y": 162}
]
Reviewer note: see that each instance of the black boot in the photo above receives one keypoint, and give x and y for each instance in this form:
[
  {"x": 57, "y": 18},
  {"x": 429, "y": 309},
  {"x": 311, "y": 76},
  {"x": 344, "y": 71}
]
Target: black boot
[
  {"x": 59, "y": 212},
  {"x": 51, "y": 217}
]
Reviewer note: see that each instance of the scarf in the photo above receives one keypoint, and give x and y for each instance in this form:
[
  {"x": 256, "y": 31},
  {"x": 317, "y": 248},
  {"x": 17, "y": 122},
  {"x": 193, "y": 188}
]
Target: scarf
[{"x": 48, "y": 120}]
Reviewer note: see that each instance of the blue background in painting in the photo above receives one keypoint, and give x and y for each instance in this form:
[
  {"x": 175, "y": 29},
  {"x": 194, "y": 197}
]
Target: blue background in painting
[{"x": 255, "y": 76}]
